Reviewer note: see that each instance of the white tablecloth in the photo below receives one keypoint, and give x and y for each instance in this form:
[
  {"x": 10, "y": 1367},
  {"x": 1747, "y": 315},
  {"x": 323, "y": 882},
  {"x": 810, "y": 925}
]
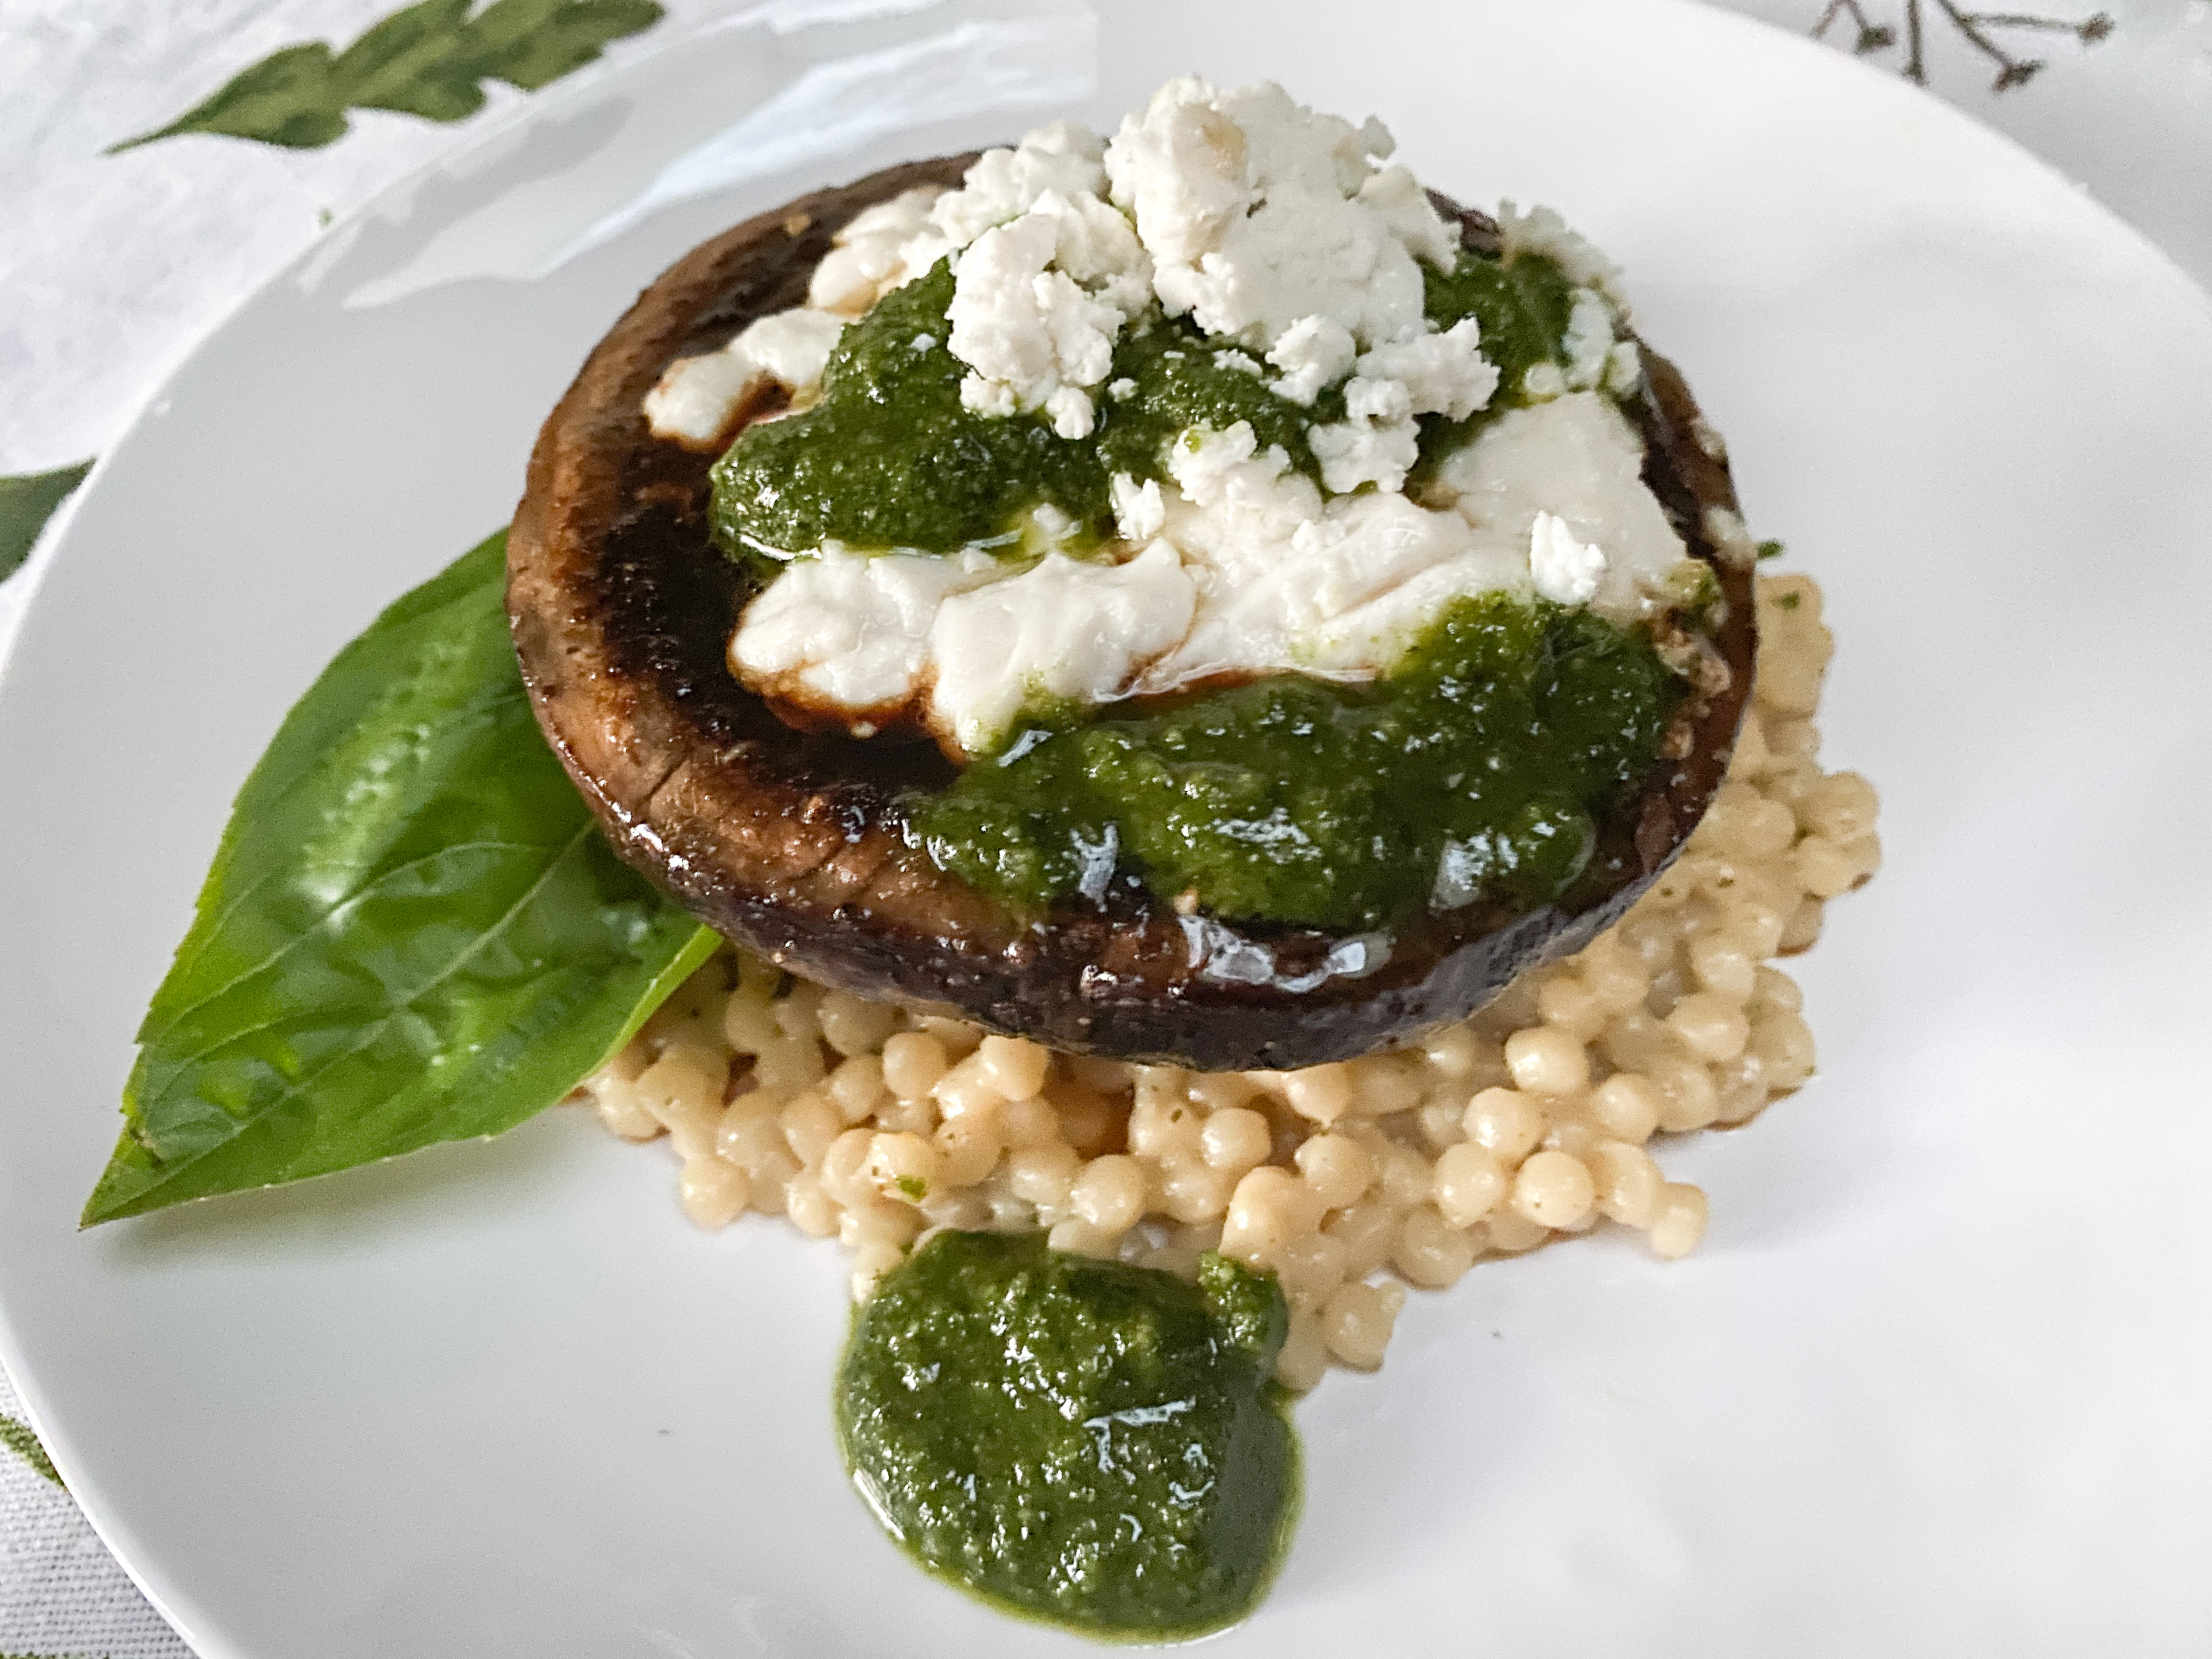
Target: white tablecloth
[{"x": 111, "y": 267}]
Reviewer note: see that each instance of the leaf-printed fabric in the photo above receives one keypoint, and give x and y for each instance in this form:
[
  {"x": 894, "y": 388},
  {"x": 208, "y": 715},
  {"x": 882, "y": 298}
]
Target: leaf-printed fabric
[{"x": 429, "y": 59}]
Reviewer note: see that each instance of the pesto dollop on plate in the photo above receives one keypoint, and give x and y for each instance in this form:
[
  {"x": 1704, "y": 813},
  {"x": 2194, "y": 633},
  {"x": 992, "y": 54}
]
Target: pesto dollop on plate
[{"x": 1088, "y": 1443}]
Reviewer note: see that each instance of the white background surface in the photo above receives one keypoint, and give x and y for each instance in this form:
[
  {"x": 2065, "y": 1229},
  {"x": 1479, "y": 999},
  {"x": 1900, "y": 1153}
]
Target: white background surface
[{"x": 1931, "y": 1385}]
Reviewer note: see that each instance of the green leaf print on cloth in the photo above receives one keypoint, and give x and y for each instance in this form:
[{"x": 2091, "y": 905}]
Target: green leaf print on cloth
[
  {"x": 19, "y": 1439},
  {"x": 26, "y": 504},
  {"x": 428, "y": 59}
]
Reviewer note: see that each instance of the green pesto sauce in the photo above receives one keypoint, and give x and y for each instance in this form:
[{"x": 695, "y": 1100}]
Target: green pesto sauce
[
  {"x": 1477, "y": 769},
  {"x": 888, "y": 457},
  {"x": 1088, "y": 1443}
]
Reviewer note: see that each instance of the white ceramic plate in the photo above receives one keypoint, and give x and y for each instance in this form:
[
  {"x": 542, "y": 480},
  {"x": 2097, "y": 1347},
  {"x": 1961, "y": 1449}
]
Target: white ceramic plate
[{"x": 1935, "y": 1383}]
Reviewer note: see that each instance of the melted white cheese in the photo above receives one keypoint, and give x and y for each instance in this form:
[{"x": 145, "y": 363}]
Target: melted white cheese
[
  {"x": 697, "y": 398},
  {"x": 849, "y": 631},
  {"x": 1060, "y": 630}
]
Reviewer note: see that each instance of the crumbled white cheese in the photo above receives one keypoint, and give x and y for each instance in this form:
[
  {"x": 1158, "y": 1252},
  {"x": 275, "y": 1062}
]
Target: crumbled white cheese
[
  {"x": 846, "y": 632},
  {"x": 1027, "y": 330},
  {"x": 1541, "y": 230},
  {"x": 1378, "y": 440},
  {"x": 1314, "y": 352},
  {"x": 1138, "y": 510},
  {"x": 1002, "y": 185},
  {"x": 1257, "y": 213},
  {"x": 1566, "y": 571},
  {"x": 1063, "y": 629},
  {"x": 1576, "y": 458},
  {"x": 697, "y": 398}
]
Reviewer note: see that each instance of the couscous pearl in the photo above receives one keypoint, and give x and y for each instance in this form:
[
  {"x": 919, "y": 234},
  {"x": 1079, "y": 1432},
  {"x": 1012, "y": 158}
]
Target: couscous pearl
[
  {"x": 1430, "y": 1251},
  {"x": 810, "y": 1124},
  {"x": 1468, "y": 1180},
  {"x": 1080, "y": 1237},
  {"x": 1546, "y": 1060},
  {"x": 1554, "y": 1190},
  {"x": 715, "y": 1193},
  {"x": 870, "y": 1263},
  {"x": 854, "y": 1026},
  {"x": 1109, "y": 1193},
  {"x": 903, "y": 1168},
  {"x": 1628, "y": 1183},
  {"x": 913, "y": 1062},
  {"x": 1043, "y": 1172},
  {"x": 1236, "y": 1139},
  {"x": 812, "y": 1210},
  {"x": 856, "y": 1087},
  {"x": 1367, "y": 1232},
  {"x": 1337, "y": 1168},
  {"x": 1711, "y": 1026},
  {"x": 1507, "y": 1122},
  {"x": 1680, "y": 1221},
  {"x": 1626, "y": 1107},
  {"x": 1015, "y": 1067},
  {"x": 1356, "y": 1321},
  {"x": 1322, "y": 1093},
  {"x": 1269, "y": 1207}
]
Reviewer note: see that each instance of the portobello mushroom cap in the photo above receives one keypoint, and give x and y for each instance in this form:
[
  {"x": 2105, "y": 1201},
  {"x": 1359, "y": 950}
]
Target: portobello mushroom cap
[{"x": 791, "y": 843}]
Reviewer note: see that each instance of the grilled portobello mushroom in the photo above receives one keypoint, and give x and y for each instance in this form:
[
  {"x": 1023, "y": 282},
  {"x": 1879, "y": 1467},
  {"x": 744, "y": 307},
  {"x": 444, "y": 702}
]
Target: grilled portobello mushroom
[{"x": 791, "y": 842}]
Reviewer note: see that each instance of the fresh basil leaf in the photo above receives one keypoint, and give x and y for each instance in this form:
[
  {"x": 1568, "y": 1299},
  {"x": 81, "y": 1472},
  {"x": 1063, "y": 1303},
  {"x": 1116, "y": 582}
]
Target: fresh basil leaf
[{"x": 413, "y": 932}]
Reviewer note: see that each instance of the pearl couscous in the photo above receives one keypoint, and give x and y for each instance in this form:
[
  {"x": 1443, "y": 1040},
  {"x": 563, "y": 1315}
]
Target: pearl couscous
[{"x": 1534, "y": 1119}]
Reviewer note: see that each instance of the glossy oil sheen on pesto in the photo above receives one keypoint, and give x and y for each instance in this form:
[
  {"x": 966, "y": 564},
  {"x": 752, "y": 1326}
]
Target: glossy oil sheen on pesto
[
  {"x": 890, "y": 458},
  {"x": 1479, "y": 769},
  {"x": 1085, "y": 1442}
]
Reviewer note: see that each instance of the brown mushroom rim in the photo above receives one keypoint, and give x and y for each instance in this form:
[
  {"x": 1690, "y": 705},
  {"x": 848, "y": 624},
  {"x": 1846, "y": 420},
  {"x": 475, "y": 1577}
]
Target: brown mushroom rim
[{"x": 792, "y": 843}]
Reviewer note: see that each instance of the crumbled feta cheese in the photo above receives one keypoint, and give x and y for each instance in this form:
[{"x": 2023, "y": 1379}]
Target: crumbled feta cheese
[
  {"x": 1256, "y": 212},
  {"x": 1002, "y": 185},
  {"x": 1314, "y": 352},
  {"x": 1242, "y": 363},
  {"x": 1541, "y": 230},
  {"x": 1578, "y": 459},
  {"x": 1377, "y": 442},
  {"x": 849, "y": 632},
  {"x": 1069, "y": 410},
  {"x": 1037, "y": 304},
  {"x": 697, "y": 398},
  {"x": 1566, "y": 571},
  {"x": 1443, "y": 374},
  {"x": 1139, "y": 511},
  {"x": 1026, "y": 331},
  {"x": 1121, "y": 388},
  {"x": 1062, "y": 628}
]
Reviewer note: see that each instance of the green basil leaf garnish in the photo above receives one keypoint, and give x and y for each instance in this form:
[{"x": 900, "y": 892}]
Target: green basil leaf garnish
[{"x": 413, "y": 932}]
